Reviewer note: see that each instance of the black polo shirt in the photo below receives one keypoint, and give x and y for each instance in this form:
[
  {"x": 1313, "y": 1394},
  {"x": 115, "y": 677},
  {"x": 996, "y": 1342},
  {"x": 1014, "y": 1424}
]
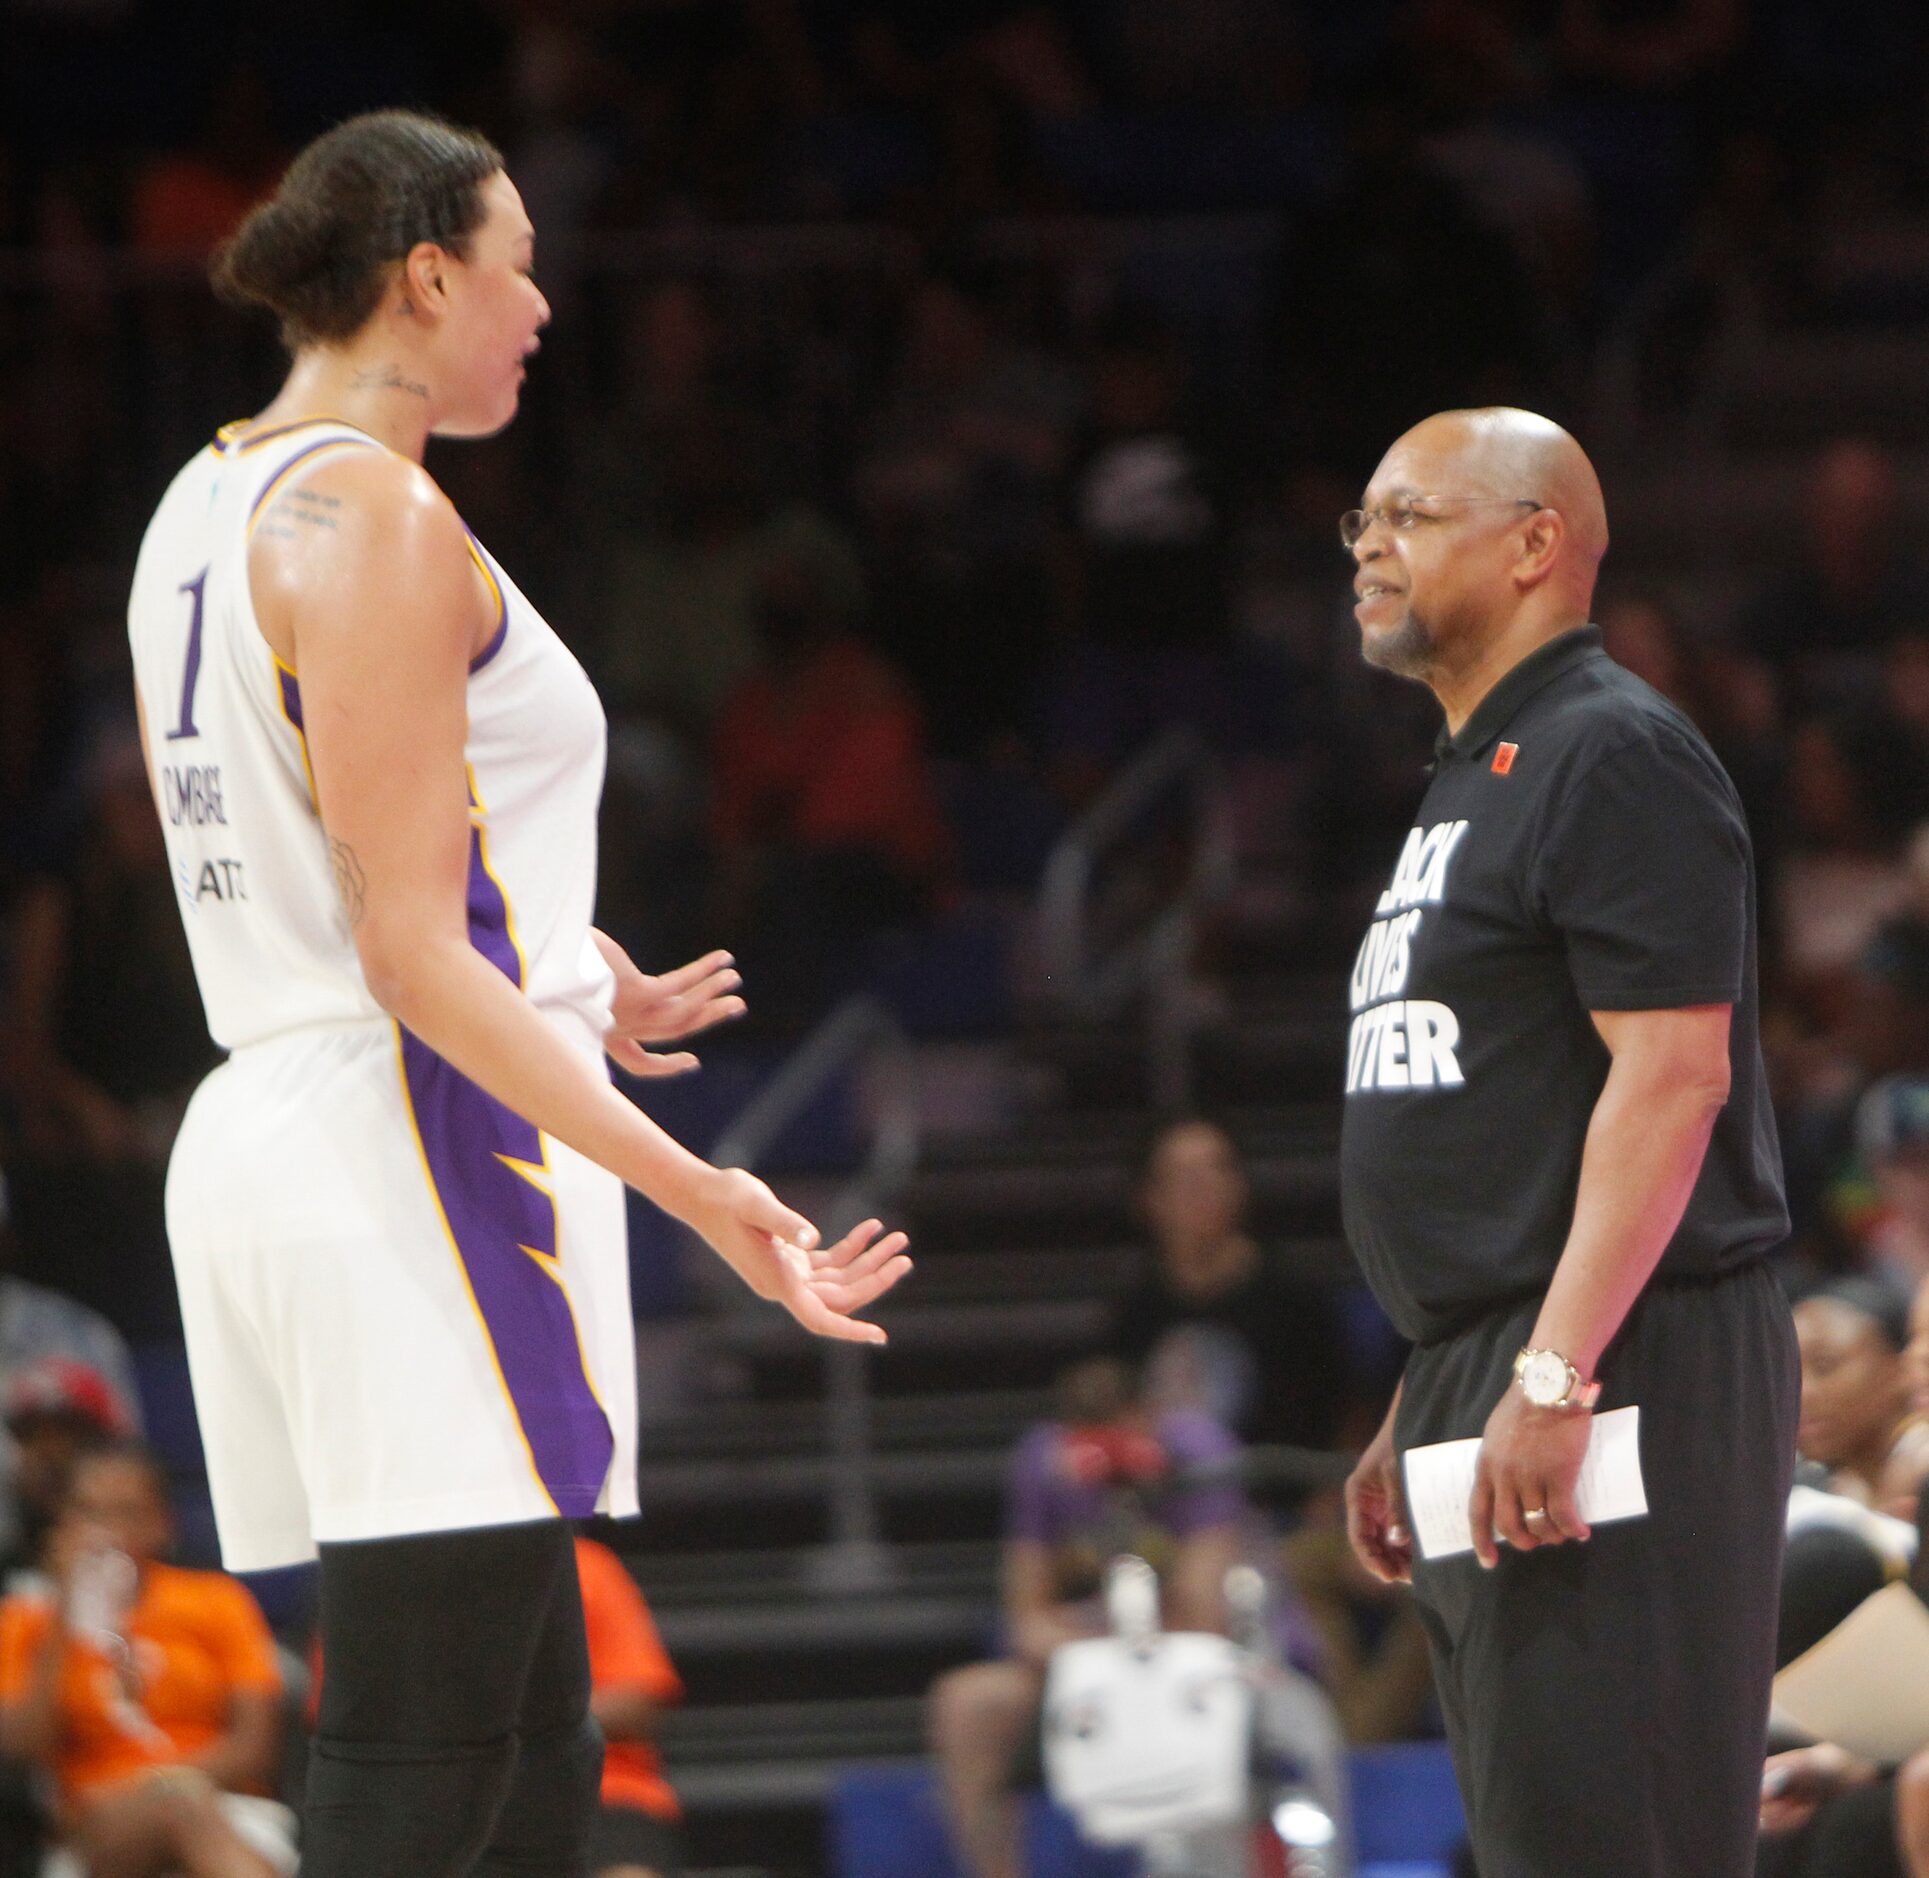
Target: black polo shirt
[{"x": 1579, "y": 849}]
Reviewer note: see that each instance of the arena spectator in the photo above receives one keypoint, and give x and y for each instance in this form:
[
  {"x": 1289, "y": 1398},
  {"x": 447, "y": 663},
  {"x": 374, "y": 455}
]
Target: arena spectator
[
  {"x": 1660, "y": 49},
  {"x": 1856, "y": 791},
  {"x": 954, "y": 479},
  {"x": 1148, "y": 572},
  {"x": 1857, "y": 581},
  {"x": 1275, "y": 1353},
  {"x": 1106, "y": 1477},
  {"x": 1827, "y": 1813},
  {"x": 1396, "y": 296},
  {"x": 825, "y": 819},
  {"x": 1882, "y": 1030},
  {"x": 1892, "y": 1138},
  {"x": 107, "y": 1043},
  {"x": 150, "y": 1694},
  {"x": 187, "y": 202},
  {"x": 57, "y": 1410},
  {"x": 632, "y": 1678},
  {"x": 1855, "y": 1391}
]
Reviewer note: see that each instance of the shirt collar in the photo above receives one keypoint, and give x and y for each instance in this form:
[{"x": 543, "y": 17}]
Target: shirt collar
[{"x": 1514, "y": 687}]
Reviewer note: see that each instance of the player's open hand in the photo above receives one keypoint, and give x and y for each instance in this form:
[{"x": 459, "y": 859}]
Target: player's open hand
[
  {"x": 1376, "y": 1511},
  {"x": 666, "y": 1009},
  {"x": 775, "y": 1252},
  {"x": 1525, "y": 1479}
]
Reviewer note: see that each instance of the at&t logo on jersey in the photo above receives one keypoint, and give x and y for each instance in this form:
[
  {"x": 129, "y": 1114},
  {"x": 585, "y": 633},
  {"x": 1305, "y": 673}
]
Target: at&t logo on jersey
[{"x": 1397, "y": 1042}]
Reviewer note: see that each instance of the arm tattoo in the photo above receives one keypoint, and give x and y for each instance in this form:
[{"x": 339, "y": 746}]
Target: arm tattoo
[
  {"x": 388, "y": 378},
  {"x": 350, "y": 882}
]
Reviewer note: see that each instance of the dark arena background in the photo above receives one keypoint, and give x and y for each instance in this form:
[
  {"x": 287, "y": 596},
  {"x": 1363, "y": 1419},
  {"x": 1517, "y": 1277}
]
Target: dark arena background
[{"x": 935, "y": 458}]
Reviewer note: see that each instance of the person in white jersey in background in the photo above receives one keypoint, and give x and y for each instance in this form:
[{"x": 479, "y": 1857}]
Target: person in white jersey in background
[{"x": 396, "y": 1210}]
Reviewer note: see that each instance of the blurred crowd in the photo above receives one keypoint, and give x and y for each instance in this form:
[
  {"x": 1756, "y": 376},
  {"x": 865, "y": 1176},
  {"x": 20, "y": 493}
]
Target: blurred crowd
[{"x": 944, "y": 399}]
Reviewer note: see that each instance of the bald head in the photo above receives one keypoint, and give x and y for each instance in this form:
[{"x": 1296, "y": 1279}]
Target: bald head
[
  {"x": 1480, "y": 537},
  {"x": 1500, "y": 451}
]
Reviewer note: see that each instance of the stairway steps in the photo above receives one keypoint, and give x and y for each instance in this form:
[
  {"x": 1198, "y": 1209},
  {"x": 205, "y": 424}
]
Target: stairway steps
[
  {"x": 714, "y": 1579},
  {"x": 831, "y": 1730}
]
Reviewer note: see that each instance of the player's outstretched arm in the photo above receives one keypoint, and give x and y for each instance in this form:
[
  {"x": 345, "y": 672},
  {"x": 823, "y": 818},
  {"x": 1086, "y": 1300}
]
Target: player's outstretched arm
[{"x": 363, "y": 583}]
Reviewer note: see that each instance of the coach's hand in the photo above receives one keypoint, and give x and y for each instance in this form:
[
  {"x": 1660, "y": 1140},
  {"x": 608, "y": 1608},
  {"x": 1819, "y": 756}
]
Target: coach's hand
[
  {"x": 1795, "y": 1784},
  {"x": 1376, "y": 1510},
  {"x": 666, "y": 1008},
  {"x": 1530, "y": 1460},
  {"x": 775, "y": 1252}
]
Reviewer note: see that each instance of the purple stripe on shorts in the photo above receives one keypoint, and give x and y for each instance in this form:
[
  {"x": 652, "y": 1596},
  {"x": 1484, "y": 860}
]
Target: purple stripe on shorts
[{"x": 493, "y": 1213}]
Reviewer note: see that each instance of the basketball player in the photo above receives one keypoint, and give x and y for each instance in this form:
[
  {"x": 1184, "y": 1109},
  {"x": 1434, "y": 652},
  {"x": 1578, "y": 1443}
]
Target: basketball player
[{"x": 397, "y": 1209}]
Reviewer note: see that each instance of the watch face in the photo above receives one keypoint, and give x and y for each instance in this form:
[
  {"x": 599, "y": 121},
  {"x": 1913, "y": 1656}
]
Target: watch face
[{"x": 1543, "y": 1379}]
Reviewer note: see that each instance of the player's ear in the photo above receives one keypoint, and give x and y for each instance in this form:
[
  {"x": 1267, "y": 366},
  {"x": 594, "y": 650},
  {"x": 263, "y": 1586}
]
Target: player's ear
[{"x": 423, "y": 279}]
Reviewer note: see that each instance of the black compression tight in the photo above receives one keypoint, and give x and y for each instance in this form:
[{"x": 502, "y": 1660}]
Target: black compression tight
[{"x": 455, "y": 1738}]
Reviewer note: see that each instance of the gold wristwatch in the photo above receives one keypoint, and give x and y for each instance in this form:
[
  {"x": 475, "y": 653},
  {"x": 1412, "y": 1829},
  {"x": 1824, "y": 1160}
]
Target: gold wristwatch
[{"x": 1548, "y": 1380}]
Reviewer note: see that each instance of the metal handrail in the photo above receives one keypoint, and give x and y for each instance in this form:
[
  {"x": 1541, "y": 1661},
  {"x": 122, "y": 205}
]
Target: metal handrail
[
  {"x": 858, "y": 1026},
  {"x": 855, "y": 1559},
  {"x": 1077, "y": 976}
]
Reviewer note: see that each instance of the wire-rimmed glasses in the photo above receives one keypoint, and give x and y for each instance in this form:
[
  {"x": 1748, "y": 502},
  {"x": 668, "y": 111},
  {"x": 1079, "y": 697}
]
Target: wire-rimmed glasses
[{"x": 1400, "y": 513}]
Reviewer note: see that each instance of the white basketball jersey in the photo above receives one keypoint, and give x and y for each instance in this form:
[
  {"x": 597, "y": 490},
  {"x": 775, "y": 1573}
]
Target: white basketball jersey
[{"x": 265, "y": 923}]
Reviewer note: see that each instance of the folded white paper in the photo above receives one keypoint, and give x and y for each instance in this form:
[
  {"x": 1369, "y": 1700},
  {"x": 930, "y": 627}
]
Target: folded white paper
[
  {"x": 1440, "y": 1483},
  {"x": 1865, "y": 1686}
]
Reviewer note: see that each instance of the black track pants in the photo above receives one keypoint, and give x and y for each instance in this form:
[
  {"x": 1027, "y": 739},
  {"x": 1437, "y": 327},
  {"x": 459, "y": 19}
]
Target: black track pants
[{"x": 1607, "y": 1703}]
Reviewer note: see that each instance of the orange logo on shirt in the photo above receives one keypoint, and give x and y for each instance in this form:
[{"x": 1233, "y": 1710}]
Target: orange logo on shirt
[{"x": 1504, "y": 758}]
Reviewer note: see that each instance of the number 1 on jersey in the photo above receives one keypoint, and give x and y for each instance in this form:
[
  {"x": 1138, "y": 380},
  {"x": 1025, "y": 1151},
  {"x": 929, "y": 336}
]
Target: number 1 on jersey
[{"x": 185, "y": 728}]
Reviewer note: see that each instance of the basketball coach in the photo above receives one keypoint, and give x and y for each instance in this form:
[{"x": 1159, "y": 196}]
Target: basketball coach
[{"x": 1560, "y": 1175}]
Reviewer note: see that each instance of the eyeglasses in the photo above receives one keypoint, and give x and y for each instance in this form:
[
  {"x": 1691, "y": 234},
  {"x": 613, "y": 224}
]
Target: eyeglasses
[{"x": 1404, "y": 511}]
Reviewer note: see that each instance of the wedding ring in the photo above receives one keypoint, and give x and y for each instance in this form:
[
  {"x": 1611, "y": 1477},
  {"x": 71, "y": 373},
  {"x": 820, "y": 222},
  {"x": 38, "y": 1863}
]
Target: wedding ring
[{"x": 1535, "y": 1512}]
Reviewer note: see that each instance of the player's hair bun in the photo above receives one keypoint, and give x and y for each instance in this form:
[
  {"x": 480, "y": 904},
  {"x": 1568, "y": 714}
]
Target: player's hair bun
[{"x": 355, "y": 201}]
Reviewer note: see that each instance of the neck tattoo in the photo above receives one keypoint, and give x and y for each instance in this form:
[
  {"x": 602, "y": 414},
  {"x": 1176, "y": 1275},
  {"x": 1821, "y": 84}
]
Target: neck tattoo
[{"x": 388, "y": 378}]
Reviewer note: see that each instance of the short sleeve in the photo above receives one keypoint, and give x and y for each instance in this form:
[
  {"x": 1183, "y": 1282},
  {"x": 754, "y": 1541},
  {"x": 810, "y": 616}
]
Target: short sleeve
[
  {"x": 1028, "y": 1490},
  {"x": 625, "y": 1651},
  {"x": 239, "y": 1637},
  {"x": 22, "y": 1623},
  {"x": 1644, "y": 873},
  {"x": 1200, "y": 1446}
]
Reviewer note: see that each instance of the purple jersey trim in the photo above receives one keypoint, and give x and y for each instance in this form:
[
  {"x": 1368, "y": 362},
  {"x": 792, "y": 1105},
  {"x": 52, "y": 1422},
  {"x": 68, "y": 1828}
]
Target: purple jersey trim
[
  {"x": 489, "y": 574},
  {"x": 275, "y": 481},
  {"x": 490, "y": 1172},
  {"x": 291, "y": 709},
  {"x": 229, "y": 440}
]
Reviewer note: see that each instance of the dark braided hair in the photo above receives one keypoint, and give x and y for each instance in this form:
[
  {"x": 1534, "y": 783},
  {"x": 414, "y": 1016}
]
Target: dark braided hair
[{"x": 352, "y": 204}]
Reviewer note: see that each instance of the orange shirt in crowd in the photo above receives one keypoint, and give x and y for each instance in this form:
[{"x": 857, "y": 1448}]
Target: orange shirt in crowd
[
  {"x": 626, "y": 1653},
  {"x": 184, "y": 205},
  {"x": 831, "y": 754},
  {"x": 197, "y": 1639}
]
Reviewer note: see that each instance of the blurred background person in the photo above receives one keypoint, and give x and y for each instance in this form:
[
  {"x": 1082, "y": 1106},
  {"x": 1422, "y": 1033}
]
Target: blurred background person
[
  {"x": 151, "y": 1694},
  {"x": 105, "y": 1045},
  {"x": 826, "y": 823},
  {"x": 57, "y": 1411},
  {"x": 1855, "y": 1391},
  {"x": 631, "y": 1682},
  {"x": 1107, "y": 1477},
  {"x": 1271, "y": 1338}
]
